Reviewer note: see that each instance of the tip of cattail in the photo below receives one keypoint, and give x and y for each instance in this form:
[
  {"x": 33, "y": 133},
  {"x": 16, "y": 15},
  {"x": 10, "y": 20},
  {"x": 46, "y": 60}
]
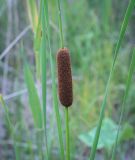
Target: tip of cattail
[{"x": 64, "y": 77}]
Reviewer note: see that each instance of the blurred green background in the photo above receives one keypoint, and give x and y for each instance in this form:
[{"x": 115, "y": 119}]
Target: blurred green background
[{"x": 91, "y": 29}]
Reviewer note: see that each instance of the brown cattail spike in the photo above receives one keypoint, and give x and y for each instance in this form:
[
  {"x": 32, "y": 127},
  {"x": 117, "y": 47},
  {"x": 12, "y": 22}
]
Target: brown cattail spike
[{"x": 64, "y": 77}]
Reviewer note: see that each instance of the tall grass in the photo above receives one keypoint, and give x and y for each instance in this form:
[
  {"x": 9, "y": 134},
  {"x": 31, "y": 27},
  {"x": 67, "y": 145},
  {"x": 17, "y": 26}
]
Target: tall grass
[
  {"x": 129, "y": 79},
  {"x": 43, "y": 60},
  {"x": 60, "y": 24},
  {"x": 54, "y": 90},
  {"x": 35, "y": 20},
  {"x": 11, "y": 127},
  {"x": 103, "y": 106},
  {"x": 40, "y": 22},
  {"x": 35, "y": 107},
  {"x": 66, "y": 108},
  {"x": 33, "y": 14},
  {"x": 33, "y": 97}
]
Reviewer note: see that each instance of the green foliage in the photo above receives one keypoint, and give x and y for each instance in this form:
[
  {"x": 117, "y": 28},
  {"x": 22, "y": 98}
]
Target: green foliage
[
  {"x": 32, "y": 12},
  {"x": 90, "y": 29},
  {"x": 43, "y": 59},
  {"x": 131, "y": 70},
  {"x": 11, "y": 127},
  {"x": 108, "y": 134},
  {"x": 127, "y": 133},
  {"x": 54, "y": 89},
  {"x": 103, "y": 106},
  {"x": 33, "y": 97}
]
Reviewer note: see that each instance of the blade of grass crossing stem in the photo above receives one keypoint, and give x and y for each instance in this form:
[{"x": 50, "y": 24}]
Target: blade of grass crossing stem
[
  {"x": 43, "y": 73},
  {"x": 11, "y": 127},
  {"x": 103, "y": 106},
  {"x": 54, "y": 90},
  {"x": 129, "y": 79}
]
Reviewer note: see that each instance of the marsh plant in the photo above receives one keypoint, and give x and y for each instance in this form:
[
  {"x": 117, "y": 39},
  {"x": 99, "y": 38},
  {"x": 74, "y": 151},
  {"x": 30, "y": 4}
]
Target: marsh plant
[{"x": 53, "y": 53}]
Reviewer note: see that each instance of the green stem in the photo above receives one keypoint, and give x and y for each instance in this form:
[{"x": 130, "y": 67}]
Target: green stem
[
  {"x": 54, "y": 90},
  {"x": 39, "y": 138},
  {"x": 60, "y": 25},
  {"x": 43, "y": 72},
  {"x": 103, "y": 105},
  {"x": 67, "y": 135},
  {"x": 129, "y": 79}
]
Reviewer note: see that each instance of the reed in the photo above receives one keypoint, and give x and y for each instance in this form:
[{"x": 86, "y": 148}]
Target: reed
[
  {"x": 79, "y": 36},
  {"x": 64, "y": 80},
  {"x": 64, "y": 77},
  {"x": 123, "y": 106},
  {"x": 54, "y": 90},
  {"x": 103, "y": 106},
  {"x": 65, "y": 88},
  {"x": 43, "y": 60}
]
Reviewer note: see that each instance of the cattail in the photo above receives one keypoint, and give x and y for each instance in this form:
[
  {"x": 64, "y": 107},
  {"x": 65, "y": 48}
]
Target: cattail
[{"x": 64, "y": 77}]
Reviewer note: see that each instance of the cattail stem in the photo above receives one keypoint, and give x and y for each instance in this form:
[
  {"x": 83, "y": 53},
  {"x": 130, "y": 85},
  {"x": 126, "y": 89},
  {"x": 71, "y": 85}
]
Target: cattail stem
[
  {"x": 60, "y": 25},
  {"x": 65, "y": 88},
  {"x": 67, "y": 135}
]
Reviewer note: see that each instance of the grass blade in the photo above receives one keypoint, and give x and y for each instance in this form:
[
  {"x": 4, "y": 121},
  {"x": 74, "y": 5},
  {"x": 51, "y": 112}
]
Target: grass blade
[
  {"x": 129, "y": 79},
  {"x": 103, "y": 106},
  {"x": 36, "y": 27},
  {"x": 33, "y": 14},
  {"x": 43, "y": 51},
  {"x": 66, "y": 108},
  {"x": 54, "y": 90},
  {"x": 37, "y": 42},
  {"x": 60, "y": 25},
  {"x": 35, "y": 107},
  {"x": 11, "y": 127},
  {"x": 33, "y": 97}
]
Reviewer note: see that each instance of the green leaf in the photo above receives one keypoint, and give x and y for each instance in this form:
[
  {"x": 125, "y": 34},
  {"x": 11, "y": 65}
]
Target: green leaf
[
  {"x": 127, "y": 133},
  {"x": 33, "y": 97},
  {"x": 33, "y": 14},
  {"x": 103, "y": 106},
  {"x": 107, "y": 135},
  {"x": 123, "y": 106}
]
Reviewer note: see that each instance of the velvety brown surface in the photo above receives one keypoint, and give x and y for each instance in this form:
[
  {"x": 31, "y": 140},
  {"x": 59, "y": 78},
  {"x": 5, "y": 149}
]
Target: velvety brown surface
[{"x": 64, "y": 77}]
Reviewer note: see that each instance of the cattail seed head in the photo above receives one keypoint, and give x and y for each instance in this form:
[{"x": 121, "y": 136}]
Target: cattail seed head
[{"x": 64, "y": 77}]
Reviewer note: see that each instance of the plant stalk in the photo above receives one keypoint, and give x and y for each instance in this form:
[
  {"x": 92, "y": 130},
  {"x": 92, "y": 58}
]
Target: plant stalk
[{"x": 67, "y": 134}]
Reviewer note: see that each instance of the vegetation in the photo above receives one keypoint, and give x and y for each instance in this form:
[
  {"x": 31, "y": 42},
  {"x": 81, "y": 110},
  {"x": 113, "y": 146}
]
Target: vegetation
[{"x": 100, "y": 123}]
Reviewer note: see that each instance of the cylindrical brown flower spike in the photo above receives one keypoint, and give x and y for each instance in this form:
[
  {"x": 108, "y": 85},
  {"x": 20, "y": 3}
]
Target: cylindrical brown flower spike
[{"x": 64, "y": 77}]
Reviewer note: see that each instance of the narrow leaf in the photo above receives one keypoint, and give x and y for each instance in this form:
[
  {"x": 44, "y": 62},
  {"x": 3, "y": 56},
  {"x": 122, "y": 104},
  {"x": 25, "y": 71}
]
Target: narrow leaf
[
  {"x": 33, "y": 97},
  {"x": 54, "y": 90},
  {"x": 129, "y": 79},
  {"x": 103, "y": 106}
]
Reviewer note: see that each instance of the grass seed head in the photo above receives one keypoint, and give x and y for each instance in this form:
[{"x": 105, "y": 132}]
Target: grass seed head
[{"x": 64, "y": 77}]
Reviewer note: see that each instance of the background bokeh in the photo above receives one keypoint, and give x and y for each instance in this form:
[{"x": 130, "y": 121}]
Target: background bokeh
[{"x": 91, "y": 30}]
